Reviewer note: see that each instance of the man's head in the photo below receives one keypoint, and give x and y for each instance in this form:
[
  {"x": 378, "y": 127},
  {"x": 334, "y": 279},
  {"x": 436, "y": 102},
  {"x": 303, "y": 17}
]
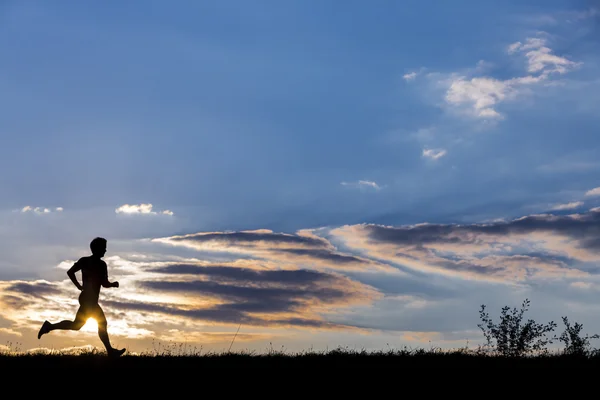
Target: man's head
[{"x": 98, "y": 246}]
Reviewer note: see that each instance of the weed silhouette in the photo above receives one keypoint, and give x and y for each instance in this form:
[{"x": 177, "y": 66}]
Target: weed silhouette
[
  {"x": 575, "y": 344},
  {"x": 512, "y": 336}
]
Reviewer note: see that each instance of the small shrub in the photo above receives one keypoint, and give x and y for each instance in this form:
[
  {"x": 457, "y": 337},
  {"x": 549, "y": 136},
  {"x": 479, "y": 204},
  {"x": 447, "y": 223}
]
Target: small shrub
[
  {"x": 574, "y": 343},
  {"x": 512, "y": 336}
]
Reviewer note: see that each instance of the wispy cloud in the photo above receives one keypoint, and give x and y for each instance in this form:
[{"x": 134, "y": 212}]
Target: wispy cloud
[
  {"x": 362, "y": 184},
  {"x": 11, "y": 332},
  {"x": 434, "y": 153},
  {"x": 593, "y": 192},
  {"x": 409, "y": 76},
  {"x": 540, "y": 58},
  {"x": 40, "y": 210},
  {"x": 567, "y": 206},
  {"x": 536, "y": 246},
  {"x": 479, "y": 96},
  {"x": 144, "y": 208},
  {"x": 302, "y": 249}
]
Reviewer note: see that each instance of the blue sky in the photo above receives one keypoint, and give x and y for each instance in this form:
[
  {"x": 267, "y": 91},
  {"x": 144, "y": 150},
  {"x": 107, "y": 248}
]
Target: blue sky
[{"x": 301, "y": 116}]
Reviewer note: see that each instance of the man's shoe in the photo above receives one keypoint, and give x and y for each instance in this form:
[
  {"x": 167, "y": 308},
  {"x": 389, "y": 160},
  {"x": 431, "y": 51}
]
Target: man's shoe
[
  {"x": 116, "y": 352},
  {"x": 44, "y": 329}
]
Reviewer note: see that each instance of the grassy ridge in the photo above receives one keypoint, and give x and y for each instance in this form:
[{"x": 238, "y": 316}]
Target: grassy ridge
[{"x": 338, "y": 358}]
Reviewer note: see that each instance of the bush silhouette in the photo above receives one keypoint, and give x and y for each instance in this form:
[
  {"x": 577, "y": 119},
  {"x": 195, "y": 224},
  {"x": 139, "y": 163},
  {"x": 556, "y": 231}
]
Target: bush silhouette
[
  {"x": 574, "y": 343},
  {"x": 512, "y": 336}
]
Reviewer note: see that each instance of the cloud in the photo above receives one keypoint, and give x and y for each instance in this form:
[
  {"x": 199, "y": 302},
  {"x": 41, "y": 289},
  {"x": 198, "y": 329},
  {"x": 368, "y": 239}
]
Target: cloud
[
  {"x": 225, "y": 273},
  {"x": 583, "y": 285},
  {"x": 249, "y": 239},
  {"x": 237, "y": 293},
  {"x": 145, "y": 208},
  {"x": 38, "y": 289},
  {"x": 11, "y": 332},
  {"x": 540, "y": 58},
  {"x": 410, "y": 76},
  {"x": 40, "y": 210},
  {"x": 481, "y": 93},
  {"x": 479, "y": 96},
  {"x": 362, "y": 184},
  {"x": 189, "y": 295},
  {"x": 532, "y": 247},
  {"x": 434, "y": 153},
  {"x": 567, "y": 206},
  {"x": 222, "y": 313},
  {"x": 593, "y": 192},
  {"x": 303, "y": 249}
]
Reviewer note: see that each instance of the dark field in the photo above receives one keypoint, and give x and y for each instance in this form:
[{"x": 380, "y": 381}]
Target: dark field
[{"x": 339, "y": 358}]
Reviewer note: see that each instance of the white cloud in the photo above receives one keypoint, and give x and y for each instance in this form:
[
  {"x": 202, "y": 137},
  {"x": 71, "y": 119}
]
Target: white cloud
[
  {"x": 144, "y": 208},
  {"x": 593, "y": 192},
  {"x": 514, "y": 47},
  {"x": 363, "y": 184},
  {"x": 39, "y": 210},
  {"x": 410, "y": 76},
  {"x": 567, "y": 206},
  {"x": 540, "y": 57},
  {"x": 434, "y": 153},
  {"x": 481, "y": 94}
]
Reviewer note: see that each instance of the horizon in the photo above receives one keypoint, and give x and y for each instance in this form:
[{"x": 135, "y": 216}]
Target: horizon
[{"x": 311, "y": 175}]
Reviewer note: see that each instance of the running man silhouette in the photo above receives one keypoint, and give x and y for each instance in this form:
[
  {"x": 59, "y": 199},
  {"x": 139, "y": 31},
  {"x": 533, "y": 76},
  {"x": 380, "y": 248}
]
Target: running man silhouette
[{"x": 95, "y": 275}]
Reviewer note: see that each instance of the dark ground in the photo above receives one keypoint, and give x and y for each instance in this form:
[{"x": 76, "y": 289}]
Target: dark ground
[{"x": 332, "y": 359}]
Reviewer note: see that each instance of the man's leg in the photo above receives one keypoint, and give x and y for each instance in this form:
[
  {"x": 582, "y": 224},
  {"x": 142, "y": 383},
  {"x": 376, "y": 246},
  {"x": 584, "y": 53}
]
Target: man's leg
[
  {"x": 75, "y": 325},
  {"x": 103, "y": 332}
]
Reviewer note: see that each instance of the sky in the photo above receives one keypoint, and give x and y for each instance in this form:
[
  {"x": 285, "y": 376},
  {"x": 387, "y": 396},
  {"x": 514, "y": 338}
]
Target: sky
[{"x": 299, "y": 174}]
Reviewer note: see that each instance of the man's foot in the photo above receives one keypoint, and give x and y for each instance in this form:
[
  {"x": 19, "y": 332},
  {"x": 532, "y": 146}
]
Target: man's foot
[
  {"x": 44, "y": 329},
  {"x": 115, "y": 352}
]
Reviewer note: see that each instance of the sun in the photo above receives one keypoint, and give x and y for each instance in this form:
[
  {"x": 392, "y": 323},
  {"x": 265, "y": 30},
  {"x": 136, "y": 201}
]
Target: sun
[{"x": 90, "y": 326}]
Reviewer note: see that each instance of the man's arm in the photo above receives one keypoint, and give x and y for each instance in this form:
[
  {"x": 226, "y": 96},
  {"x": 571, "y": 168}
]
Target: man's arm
[
  {"x": 105, "y": 282},
  {"x": 71, "y": 273}
]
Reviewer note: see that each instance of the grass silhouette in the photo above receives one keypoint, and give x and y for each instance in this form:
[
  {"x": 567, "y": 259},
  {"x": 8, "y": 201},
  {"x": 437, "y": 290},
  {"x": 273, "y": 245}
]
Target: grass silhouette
[
  {"x": 512, "y": 342},
  {"x": 338, "y": 357}
]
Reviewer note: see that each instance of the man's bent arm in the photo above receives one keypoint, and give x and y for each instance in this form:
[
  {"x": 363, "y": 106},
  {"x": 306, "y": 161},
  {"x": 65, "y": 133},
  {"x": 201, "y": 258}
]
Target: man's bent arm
[
  {"x": 105, "y": 282},
  {"x": 71, "y": 274}
]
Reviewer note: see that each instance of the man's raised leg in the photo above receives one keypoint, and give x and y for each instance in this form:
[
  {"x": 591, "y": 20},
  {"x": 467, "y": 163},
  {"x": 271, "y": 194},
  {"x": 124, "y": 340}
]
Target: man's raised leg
[{"x": 74, "y": 325}]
